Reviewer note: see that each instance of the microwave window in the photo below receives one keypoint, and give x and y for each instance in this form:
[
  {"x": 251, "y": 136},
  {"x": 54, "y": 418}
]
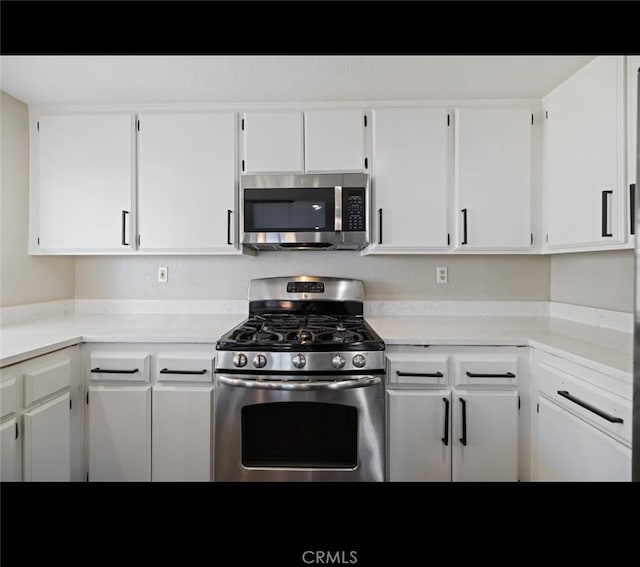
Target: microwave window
[{"x": 289, "y": 210}]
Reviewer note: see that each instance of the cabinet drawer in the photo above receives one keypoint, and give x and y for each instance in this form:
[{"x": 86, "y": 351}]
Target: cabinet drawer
[
  {"x": 184, "y": 367},
  {"x": 486, "y": 370},
  {"x": 417, "y": 369},
  {"x": 44, "y": 381},
  {"x": 8, "y": 397},
  {"x": 609, "y": 412},
  {"x": 119, "y": 366}
]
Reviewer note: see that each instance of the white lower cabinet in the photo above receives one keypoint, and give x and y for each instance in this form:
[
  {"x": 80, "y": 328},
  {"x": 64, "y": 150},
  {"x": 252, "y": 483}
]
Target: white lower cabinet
[
  {"x": 150, "y": 412},
  {"x": 584, "y": 423},
  {"x": 119, "y": 433},
  {"x": 182, "y": 433},
  {"x": 47, "y": 448},
  {"x": 419, "y": 441},
  {"x": 569, "y": 449},
  {"x": 485, "y": 436},
  {"x": 453, "y": 413},
  {"x": 9, "y": 451},
  {"x": 36, "y": 418}
]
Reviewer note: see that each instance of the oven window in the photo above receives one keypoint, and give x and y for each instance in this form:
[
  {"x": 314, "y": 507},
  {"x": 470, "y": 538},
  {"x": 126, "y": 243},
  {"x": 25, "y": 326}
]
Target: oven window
[
  {"x": 310, "y": 209},
  {"x": 300, "y": 435}
]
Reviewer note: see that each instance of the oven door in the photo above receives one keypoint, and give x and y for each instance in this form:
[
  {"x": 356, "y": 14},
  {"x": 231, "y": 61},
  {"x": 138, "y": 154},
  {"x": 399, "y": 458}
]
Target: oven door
[{"x": 286, "y": 430}]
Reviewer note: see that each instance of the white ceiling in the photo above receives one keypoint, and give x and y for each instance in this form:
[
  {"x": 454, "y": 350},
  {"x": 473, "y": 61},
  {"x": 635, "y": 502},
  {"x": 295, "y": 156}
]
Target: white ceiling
[{"x": 165, "y": 79}]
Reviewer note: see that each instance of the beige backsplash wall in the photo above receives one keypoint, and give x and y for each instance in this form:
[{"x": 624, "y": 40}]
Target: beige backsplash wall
[
  {"x": 23, "y": 278},
  {"x": 594, "y": 279},
  {"x": 498, "y": 278}
]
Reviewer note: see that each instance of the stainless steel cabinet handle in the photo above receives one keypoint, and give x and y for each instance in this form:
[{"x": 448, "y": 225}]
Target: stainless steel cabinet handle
[
  {"x": 592, "y": 409},
  {"x": 229, "y": 213},
  {"x": 360, "y": 382},
  {"x": 379, "y": 226}
]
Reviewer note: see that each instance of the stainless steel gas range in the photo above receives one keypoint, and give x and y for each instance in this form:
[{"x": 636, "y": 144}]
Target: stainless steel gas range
[{"x": 300, "y": 386}]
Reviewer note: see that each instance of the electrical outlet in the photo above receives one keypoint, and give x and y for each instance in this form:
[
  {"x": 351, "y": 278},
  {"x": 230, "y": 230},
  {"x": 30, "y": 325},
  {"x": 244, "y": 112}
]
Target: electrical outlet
[
  {"x": 441, "y": 274},
  {"x": 163, "y": 274}
]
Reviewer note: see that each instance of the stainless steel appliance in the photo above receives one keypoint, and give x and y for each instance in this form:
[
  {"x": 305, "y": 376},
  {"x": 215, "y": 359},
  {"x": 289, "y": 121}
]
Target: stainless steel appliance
[
  {"x": 635, "y": 446},
  {"x": 305, "y": 212},
  {"x": 300, "y": 386}
]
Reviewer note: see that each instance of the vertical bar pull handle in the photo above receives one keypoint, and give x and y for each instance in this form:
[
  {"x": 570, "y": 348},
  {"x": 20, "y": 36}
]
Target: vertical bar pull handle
[
  {"x": 464, "y": 226},
  {"x": 229, "y": 213},
  {"x": 463, "y": 404},
  {"x": 124, "y": 228},
  {"x": 379, "y": 226},
  {"x": 605, "y": 213},
  {"x": 632, "y": 207},
  {"x": 445, "y": 439}
]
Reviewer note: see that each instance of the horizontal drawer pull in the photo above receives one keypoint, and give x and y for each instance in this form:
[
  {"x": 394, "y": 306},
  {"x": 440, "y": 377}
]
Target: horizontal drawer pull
[
  {"x": 479, "y": 375},
  {"x": 167, "y": 371},
  {"x": 101, "y": 371},
  {"x": 585, "y": 405},
  {"x": 421, "y": 374}
]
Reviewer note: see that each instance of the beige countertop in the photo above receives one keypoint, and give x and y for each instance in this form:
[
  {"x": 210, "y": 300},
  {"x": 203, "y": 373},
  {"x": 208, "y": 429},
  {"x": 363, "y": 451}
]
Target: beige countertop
[{"x": 604, "y": 349}]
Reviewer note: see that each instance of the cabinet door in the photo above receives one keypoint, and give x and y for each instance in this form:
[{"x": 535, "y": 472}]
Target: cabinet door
[
  {"x": 187, "y": 177},
  {"x": 410, "y": 178},
  {"x": 419, "y": 435},
  {"x": 85, "y": 180},
  {"x": 47, "y": 441},
  {"x": 334, "y": 140},
  {"x": 633, "y": 66},
  {"x": 584, "y": 158},
  {"x": 485, "y": 436},
  {"x": 493, "y": 178},
  {"x": 9, "y": 451},
  {"x": 119, "y": 433},
  {"x": 182, "y": 426},
  {"x": 569, "y": 449},
  {"x": 273, "y": 142}
]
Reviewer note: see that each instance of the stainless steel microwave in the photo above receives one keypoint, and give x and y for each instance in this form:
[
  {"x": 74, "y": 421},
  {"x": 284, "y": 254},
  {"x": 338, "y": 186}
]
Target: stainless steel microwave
[{"x": 305, "y": 212}]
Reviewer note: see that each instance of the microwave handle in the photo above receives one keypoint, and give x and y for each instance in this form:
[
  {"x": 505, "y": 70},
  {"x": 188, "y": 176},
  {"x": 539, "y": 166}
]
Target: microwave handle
[{"x": 338, "y": 200}]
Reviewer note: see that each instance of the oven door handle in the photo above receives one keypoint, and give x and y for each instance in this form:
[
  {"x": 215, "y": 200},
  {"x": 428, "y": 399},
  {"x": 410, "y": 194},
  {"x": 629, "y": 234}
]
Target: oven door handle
[{"x": 359, "y": 382}]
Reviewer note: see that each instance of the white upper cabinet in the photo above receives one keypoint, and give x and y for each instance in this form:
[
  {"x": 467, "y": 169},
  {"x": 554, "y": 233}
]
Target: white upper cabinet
[
  {"x": 410, "y": 164},
  {"x": 633, "y": 66},
  {"x": 273, "y": 142},
  {"x": 334, "y": 140},
  {"x": 493, "y": 178},
  {"x": 187, "y": 182},
  {"x": 584, "y": 141},
  {"x": 316, "y": 141},
  {"x": 82, "y": 183}
]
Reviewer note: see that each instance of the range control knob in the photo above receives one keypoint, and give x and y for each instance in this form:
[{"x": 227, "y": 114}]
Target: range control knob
[
  {"x": 259, "y": 360},
  {"x": 338, "y": 361},
  {"x": 359, "y": 360},
  {"x": 239, "y": 360},
  {"x": 299, "y": 360}
]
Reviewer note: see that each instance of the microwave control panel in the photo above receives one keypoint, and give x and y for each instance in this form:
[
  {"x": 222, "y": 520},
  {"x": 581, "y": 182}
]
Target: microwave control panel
[{"x": 353, "y": 208}]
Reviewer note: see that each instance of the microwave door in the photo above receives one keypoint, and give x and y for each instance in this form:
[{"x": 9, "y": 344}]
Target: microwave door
[{"x": 289, "y": 210}]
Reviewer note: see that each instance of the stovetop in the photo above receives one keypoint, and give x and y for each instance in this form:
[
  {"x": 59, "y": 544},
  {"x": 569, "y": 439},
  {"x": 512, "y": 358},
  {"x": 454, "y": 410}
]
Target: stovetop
[{"x": 301, "y": 332}]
